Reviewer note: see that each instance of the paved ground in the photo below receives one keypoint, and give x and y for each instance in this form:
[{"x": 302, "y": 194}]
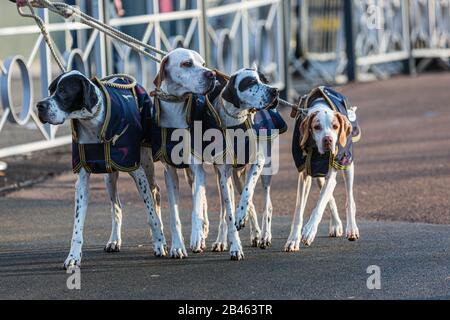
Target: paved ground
[{"x": 403, "y": 173}]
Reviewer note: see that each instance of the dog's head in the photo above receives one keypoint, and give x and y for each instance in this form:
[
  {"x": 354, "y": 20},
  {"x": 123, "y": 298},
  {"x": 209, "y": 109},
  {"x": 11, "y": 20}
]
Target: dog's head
[
  {"x": 249, "y": 89},
  {"x": 183, "y": 71},
  {"x": 326, "y": 127},
  {"x": 72, "y": 96}
]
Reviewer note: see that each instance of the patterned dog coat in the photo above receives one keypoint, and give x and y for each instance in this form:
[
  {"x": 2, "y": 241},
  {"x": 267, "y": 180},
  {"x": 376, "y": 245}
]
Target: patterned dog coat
[
  {"x": 318, "y": 165},
  {"x": 125, "y": 130}
]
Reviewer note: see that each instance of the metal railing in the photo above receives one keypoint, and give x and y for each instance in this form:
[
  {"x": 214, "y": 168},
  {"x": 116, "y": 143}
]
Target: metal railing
[
  {"x": 229, "y": 36},
  {"x": 385, "y": 33}
]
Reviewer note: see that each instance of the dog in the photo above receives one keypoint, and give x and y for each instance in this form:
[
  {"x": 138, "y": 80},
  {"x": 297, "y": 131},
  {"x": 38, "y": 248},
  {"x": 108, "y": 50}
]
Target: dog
[
  {"x": 236, "y": 102},
  {"x": 181, "y": 83},
  {"x": 324, "y": 133},
  {"x": 109, "y": 131}
]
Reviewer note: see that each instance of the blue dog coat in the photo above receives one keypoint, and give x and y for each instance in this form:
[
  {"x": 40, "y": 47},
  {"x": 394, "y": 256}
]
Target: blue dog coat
[
  {"x": 125, "y": 130},
  {"x": 318, "y": 165}
]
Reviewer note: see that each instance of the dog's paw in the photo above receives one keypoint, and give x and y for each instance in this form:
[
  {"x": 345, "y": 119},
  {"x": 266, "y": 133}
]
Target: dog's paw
[
  {"x": 335, "y": 230},
  {"x": 241, "y": 220},
  {"x": 292, "y": 245},
  {"x": 178, "y": 252},
  {"x": 256, "y": 241},
  {"x": 236, "y": 251},
  {"x": 352, "y": 233},
  {"x": 198, "y": 242},
  {"x": 72, "y": 262},
  {"x": 219, "y": 247},
  {"x": 160, "y": 249},
  {"x": 266, "y": 242},
  {"x": 309, "y": 233},
  {"x": 112, "y": 246}
]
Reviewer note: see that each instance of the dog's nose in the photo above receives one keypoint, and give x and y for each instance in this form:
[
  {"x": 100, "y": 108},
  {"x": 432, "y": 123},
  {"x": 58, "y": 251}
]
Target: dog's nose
[
  {"x": 327, "y": 141},
  {"x": 274, "y": 91},
  {"x": 42, "y": 105},
  {"x": 209, "y": 74}
]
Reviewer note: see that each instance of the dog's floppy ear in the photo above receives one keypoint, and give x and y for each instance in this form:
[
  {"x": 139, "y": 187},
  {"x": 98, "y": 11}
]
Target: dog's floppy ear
[
  {"x": 52, "y": 87},
  {"x": 229, "y": 93},
  {"x": 345, "y": 129},
  {"x": 263, "y": 78},
  {"x": 90, "y": 97},
  {"x": 305, "y": 127},
  {"x": 162, "y": 73}
]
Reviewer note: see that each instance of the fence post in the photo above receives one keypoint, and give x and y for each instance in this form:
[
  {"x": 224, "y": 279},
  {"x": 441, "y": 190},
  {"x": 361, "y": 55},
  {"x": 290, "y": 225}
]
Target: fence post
[
  {"x": 286, "y": 9},
  {"x": 203, "y": 27},
  {"x": 350, "y": 40},
  {"x": 409, "y": 64}
]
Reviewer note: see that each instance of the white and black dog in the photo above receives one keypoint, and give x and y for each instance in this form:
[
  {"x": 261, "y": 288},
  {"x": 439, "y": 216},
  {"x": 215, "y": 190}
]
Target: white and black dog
[
  {"x": 242, "y": 96},
  {"x": 75, "y": 97}
]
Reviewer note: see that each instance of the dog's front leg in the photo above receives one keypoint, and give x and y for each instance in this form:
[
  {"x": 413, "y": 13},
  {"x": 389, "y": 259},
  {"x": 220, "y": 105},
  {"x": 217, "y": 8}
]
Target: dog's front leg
[
  {"x": 81, "y": 205},
  {"x": 310, "y": 229},
  {"x": 159, "y": 241},
  {"x": 226, "y": 187},
  {"x": 335, "y": 229},
  {"x": 249, "y": 189},
  {"x": 177, "y": 249},
  {"x": 115, "y": 240},
  {"x": 239, "y": 178},
  {"x": 198, "y": 241},
  {"x": 352, "y": 231},
  {"x": 303, "y": 188}
]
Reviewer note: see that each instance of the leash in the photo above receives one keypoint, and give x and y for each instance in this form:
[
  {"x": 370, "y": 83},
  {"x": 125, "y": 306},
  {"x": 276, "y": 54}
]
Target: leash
[
  {"x": 68, "y": 11},
  {"x": 164, "y": 96}
]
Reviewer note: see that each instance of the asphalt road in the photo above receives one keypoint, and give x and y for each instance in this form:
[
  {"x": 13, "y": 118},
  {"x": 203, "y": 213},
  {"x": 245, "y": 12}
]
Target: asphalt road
[{"x": 402, "y": 174}]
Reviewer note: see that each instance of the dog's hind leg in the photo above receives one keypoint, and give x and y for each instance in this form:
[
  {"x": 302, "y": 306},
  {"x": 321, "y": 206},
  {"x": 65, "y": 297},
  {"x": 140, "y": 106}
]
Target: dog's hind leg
[
  {"x": 149, "y": 168},
  {"x": 81, "y": 205},
  {"x": 266, "y": 240},
  {"x": 220, "y": 244},
  {"x": 304, "y": 185},
  {"x": 153, "y": 219},
  {"x": 310, "y": 229},
  {"x": 177, "y": 249},
  {"x": 335, "y": 229},
  {"x": 115, "y": 240},
  {"x": 352, "y": 231},
  {"x": 190, "y": 179},
  {"x": 236, "y": 251}
]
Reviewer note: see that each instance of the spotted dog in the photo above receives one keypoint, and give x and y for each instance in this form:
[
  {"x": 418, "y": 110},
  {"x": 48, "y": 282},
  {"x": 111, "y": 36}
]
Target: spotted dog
[
  {"x": 239, "y": 99},
  {"x": 181, "y": 84},
  {"x": 324, "y": 132},
  {"x": 109, "y": 135}
]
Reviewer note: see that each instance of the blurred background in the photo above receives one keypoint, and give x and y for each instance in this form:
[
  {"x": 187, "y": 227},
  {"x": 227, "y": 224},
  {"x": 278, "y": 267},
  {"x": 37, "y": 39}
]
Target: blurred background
[{"x": 296, "y": 43}]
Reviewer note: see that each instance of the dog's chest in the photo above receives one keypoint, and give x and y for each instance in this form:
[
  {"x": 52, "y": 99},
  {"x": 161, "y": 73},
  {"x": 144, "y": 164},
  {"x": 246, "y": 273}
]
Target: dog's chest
[{"x": 173, "y": 115}]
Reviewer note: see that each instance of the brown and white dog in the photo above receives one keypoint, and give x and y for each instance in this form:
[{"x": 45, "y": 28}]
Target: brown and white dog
[{"x": 328, "y": 130}]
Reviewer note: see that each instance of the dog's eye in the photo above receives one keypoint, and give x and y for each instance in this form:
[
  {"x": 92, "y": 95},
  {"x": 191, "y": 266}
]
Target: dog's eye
[
  {"x": 317, "y": 127},
  {"x": 335, "y": 126},
  {"x": 187, "y": 64}
]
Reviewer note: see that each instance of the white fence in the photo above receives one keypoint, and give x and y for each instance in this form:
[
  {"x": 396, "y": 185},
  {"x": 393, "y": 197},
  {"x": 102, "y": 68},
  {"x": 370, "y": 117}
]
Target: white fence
[{"x": 230, "y": 36}]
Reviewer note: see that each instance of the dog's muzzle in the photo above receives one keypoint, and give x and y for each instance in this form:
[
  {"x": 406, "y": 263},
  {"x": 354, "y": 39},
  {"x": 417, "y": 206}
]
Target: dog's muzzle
[{"x": 42, "y": 108}]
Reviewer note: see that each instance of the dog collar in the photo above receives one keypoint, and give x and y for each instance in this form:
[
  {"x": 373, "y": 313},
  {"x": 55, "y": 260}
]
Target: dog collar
[
  {"x": 237, "y": 117},
  {"x": 164, "y": 96}
]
